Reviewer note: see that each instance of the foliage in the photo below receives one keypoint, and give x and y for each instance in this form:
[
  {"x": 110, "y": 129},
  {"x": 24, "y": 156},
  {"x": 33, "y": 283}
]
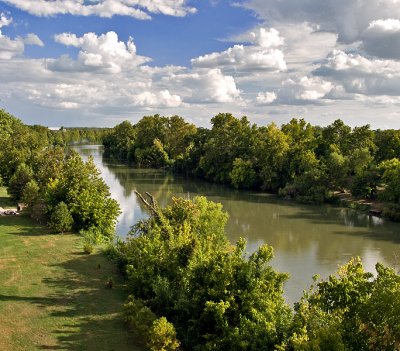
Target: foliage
[
  {"x": 30, "y": 193},
  {"x": 61, "y": 219},
  {"x": 350, "y": 311},
  {"x": 162, "y": 336},
  {"x": 298, "y": 160},
  {"x": 22, "y": 176},
  {"x": 365, "y": 183},
  {"x": 242, "y": 175},
  {"x": 86, "y": 194},
  {"x": 391, "y": 178},
  {"x": 181, "y": 266}
]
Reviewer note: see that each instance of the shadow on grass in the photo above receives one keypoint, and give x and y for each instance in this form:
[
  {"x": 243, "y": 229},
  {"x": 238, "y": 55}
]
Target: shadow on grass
[
  {"x": 86, "y": 314},
  {"x": 23, "y": 225}
]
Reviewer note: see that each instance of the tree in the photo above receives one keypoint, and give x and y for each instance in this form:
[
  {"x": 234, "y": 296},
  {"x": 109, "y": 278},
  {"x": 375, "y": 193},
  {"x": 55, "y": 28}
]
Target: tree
[
  {"x": 229, "y": 138},
  {"x": 86, "y": 194},
  {"x": 119, "y": 141},
  {"x": 271, "y": 153},
  {"x": 22, "y": 176},
  {"x": 243, "y": 174},
  {"x": 181, "y": 265},
  {"x": 352, "y": 310},
  {"x": 391, "y": 178},
  {"x": 61, "y": 219},
  {"x": 162, "y": 336},
  {"x": 30, "y": 193}
]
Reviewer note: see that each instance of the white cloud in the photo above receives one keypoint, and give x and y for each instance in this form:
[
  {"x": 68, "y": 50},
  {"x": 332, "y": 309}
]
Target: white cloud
[
  {"x": 267, "y": 38},
  {"x": 206, "y": 86},
  {"x": 361, "y": 75},
  {"x": 304, "y": 90},
  {"x": 263, "y": 55},
  {"x": 33, "y": 39},
  {"x": 103, "y": 53},
  {"x": 10, "y": 48},
  {"x": 140, "y": 9},
  {"x": 266, "y": 98},
  {"x": 162, "y": 98}
]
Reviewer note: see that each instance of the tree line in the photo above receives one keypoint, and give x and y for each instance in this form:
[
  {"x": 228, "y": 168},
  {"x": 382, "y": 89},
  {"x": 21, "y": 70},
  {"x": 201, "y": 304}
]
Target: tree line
[
  {"x": 297, "y": 160},
  {"x": 53, "y": 181}
]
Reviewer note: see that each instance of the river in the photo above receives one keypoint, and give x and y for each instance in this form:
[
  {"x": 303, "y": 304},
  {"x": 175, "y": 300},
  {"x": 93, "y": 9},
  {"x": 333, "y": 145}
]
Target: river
[{"x": 307, "y": 240}]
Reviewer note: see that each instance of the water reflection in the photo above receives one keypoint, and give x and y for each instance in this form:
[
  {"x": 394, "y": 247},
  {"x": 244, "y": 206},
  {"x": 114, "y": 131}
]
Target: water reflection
[{"x": 307, "y": 239}]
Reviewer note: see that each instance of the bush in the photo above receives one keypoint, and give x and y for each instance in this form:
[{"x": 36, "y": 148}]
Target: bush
[
  {"x": 61, "y": 219},
  {"x": 139, "y": 318},
  {"x": 162, "y": 336},
  {"x": 180, "y": 263}
]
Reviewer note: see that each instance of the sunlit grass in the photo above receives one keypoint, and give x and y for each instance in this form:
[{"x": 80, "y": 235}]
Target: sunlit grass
[{"x": 54, "y": 297}]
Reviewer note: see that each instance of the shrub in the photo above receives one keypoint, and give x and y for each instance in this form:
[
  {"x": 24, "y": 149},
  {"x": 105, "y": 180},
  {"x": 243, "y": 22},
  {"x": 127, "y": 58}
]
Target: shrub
[
  {"x": 61, "y": 218},
  {"x": 162, "y": 336}
]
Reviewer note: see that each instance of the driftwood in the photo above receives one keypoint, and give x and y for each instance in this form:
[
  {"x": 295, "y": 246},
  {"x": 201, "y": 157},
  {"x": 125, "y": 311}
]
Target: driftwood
[{"x": 151, "y": 204}]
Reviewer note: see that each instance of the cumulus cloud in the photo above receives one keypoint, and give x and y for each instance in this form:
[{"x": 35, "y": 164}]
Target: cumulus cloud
[
  {"x": 162, "y": 98},
  {"x": 304, "y": 90},
  {"x": 140, "y": 9},
  {"x": 10, "y": 48},
  {"x": 361, "y": 75},
  {"x": 103, "y": 53},
  {"x": 266, "y": 98},
  {"x": 210, "y": 86},
  {"x": 262, "y": 55}
]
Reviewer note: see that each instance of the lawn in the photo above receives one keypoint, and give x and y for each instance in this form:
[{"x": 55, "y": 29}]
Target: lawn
[{"x": 53, "y": 297}]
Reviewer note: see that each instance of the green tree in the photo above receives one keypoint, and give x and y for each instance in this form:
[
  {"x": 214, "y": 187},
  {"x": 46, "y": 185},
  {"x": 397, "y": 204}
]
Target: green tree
[
  {"x": 391, "y": 178},
  {"x": 162, "y": 336},
  {"x": 271, "y": 153},
  {"x": 30, "y": 193},
  {"x": 22, "y": 176},
  {"x": 243, "y": 174},
  {"x": 180, "y": 263},
  {"x": 229, "y": 138},
  {"x": 61, "y": 219},
  {"x": 86, "y": 194}
]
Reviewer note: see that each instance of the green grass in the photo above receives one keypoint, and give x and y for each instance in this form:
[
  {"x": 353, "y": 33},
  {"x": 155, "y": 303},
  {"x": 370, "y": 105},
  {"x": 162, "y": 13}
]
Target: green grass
[{"x": 53, "y": 297}]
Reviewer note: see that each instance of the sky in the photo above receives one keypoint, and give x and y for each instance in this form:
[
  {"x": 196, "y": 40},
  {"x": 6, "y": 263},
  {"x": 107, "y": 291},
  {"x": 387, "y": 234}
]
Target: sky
[{"x": 100, "y": 62}]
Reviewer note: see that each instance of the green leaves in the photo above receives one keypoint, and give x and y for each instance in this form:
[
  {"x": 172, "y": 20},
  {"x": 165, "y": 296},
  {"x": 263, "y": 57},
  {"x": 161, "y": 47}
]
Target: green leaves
[{"x": 182, "y": 266}]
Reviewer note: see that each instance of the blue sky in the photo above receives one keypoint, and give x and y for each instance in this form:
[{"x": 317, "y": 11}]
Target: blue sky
[{"x": 99, "y": 62}]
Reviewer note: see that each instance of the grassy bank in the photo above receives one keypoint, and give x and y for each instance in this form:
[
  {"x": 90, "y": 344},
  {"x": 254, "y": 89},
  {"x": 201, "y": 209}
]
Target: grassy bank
[{"x": 53, "y": 297}]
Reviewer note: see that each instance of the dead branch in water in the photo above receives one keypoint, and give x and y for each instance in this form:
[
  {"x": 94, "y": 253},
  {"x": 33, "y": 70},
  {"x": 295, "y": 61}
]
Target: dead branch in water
[{"x": 151, "y": 205}]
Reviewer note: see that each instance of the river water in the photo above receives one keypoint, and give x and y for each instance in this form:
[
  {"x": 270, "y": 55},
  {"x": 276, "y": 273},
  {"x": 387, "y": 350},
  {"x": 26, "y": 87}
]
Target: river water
[{"x": 307, "y": 240}]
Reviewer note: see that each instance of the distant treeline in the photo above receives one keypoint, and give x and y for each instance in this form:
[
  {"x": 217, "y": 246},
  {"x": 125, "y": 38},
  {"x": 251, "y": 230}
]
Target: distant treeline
[
  {"x": 54, "y": 183},
  {"x": 73, "y": 135},
  {"x": 296, "y": 160}
]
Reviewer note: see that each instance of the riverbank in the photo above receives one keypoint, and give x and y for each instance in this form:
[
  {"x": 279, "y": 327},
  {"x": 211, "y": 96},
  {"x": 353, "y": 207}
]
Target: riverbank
[{"x": 54, "y": 297}]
